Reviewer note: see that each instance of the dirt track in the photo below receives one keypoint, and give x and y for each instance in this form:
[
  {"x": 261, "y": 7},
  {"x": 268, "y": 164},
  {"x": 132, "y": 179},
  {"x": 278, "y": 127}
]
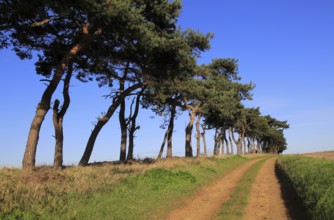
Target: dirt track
[
  {"x": 206, "y": 202},
  {"x": 265, "y": 201}
]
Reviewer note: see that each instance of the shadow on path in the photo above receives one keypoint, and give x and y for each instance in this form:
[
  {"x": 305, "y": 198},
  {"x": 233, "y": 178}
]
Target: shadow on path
[{"x": 295, "y": 206}]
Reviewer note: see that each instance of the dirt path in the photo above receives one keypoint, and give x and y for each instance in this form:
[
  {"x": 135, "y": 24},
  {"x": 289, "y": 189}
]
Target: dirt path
[
  {"x": 265, "y": 201},
  {"x": 206, "y": 203}
]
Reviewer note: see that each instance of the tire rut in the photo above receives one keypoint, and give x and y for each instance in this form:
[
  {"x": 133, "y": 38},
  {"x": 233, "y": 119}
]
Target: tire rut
[
  {"x": 265, "y": 200},
  {"x": 206, "y": 203}
]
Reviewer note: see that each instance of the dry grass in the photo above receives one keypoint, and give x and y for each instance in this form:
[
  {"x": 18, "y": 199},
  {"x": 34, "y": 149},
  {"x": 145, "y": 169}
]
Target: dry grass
[
  {"x": 18, "y": 187},
  {"x": 46, "y": 191}
]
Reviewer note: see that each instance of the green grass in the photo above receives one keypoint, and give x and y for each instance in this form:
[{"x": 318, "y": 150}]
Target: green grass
[
  {"x": 106, "y": 192},
  {"x": 313, "y": 181},
  {"x": 234, "y": 207}
]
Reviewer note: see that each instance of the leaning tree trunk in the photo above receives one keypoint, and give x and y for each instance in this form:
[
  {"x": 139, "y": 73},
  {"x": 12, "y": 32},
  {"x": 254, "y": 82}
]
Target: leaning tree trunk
[
  {"x": 204, "y": 141},
  {"x": 102, "y": 121},
  {"x": 43, "y": 106},
  {"x": 58, "y": 118},
  {"x": 168, "y": 135},
  {"x": 163, "y": 145},
  {"x": 133, "y": 127},
  {"x": 198, "y": 136}
]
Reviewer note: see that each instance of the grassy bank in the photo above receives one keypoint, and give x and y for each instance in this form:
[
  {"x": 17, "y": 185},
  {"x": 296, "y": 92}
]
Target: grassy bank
[
  {"x": 313, "y": 181},
  {"x": 137, "y": 191}
]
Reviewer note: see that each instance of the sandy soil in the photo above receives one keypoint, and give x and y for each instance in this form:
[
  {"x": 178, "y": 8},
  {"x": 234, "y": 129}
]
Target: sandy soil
[
  {"x": 205, "y": 204},
  {"x": 265, "y": 201}
]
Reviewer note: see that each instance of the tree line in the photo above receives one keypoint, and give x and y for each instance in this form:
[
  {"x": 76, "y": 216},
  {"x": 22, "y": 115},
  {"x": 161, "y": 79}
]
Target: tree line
[{"x": 135, "y": 48}]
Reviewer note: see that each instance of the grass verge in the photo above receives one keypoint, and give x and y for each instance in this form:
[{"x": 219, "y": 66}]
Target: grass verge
[
  {"x": 234, "y": 207},
  {"x": 312, "y": 181},
  {"x": 106, "y": 192}
]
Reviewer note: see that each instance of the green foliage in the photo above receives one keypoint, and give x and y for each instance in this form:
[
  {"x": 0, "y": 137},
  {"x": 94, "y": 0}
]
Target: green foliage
[
  {"x": 313, "y": 181},
  {"x": 161, "y": 178}
]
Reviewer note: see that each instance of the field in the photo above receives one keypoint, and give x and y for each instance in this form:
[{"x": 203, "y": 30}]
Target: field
[{"x": 205, "y": 188}]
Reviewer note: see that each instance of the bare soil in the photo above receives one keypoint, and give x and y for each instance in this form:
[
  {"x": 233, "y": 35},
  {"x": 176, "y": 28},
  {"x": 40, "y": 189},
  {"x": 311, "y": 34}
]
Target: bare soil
[
  {"x": 265, "y": 200},
  {"x": 271, "y": 197},
  {"x": 206, "y": 203}
]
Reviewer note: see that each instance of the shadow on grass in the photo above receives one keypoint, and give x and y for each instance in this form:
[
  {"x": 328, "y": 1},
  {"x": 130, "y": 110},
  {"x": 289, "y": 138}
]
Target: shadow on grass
[{"x": 294, "y": 204}]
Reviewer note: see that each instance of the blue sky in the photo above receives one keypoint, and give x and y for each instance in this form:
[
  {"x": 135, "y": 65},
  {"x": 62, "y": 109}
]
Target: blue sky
[{"x": 285, "y": 47}]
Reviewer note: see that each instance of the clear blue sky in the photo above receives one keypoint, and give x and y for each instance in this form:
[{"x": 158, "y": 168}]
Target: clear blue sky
[{"x": 285, "y": 47}]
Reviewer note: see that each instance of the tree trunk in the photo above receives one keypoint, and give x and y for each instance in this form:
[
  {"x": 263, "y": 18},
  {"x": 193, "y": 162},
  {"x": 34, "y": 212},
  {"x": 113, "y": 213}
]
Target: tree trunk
[
  {"x": 230, "y": 139},
  {"x": 218, "y": 146},
  {"x": 124, "y": 132},
  {"x": 238, "y": 142},
  {"x": 244, "y": 142},
  {"x": 216, "y": 142},
  {"x": 58, "y": 126},
  {"x": 226, "y": 142},
  {"x": 249, "y": 146},
  {"x": 192, "y": 113},
  {"x": 170, "y": 131},
  {"x": 204, "y": 141},
  {"x": 222, "y": 138},
  {"x": 163, "y": 145},
  {"x": 58, "y": 118},
  {"x": 43, "y": 106},
  {"x": 198, "y": 136},
  {"x": 168, "y": 135},
  {"x": 134, "y": 127},
  {"x": 189, "y": 129},
  {"x": 102, "y": 121}
]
